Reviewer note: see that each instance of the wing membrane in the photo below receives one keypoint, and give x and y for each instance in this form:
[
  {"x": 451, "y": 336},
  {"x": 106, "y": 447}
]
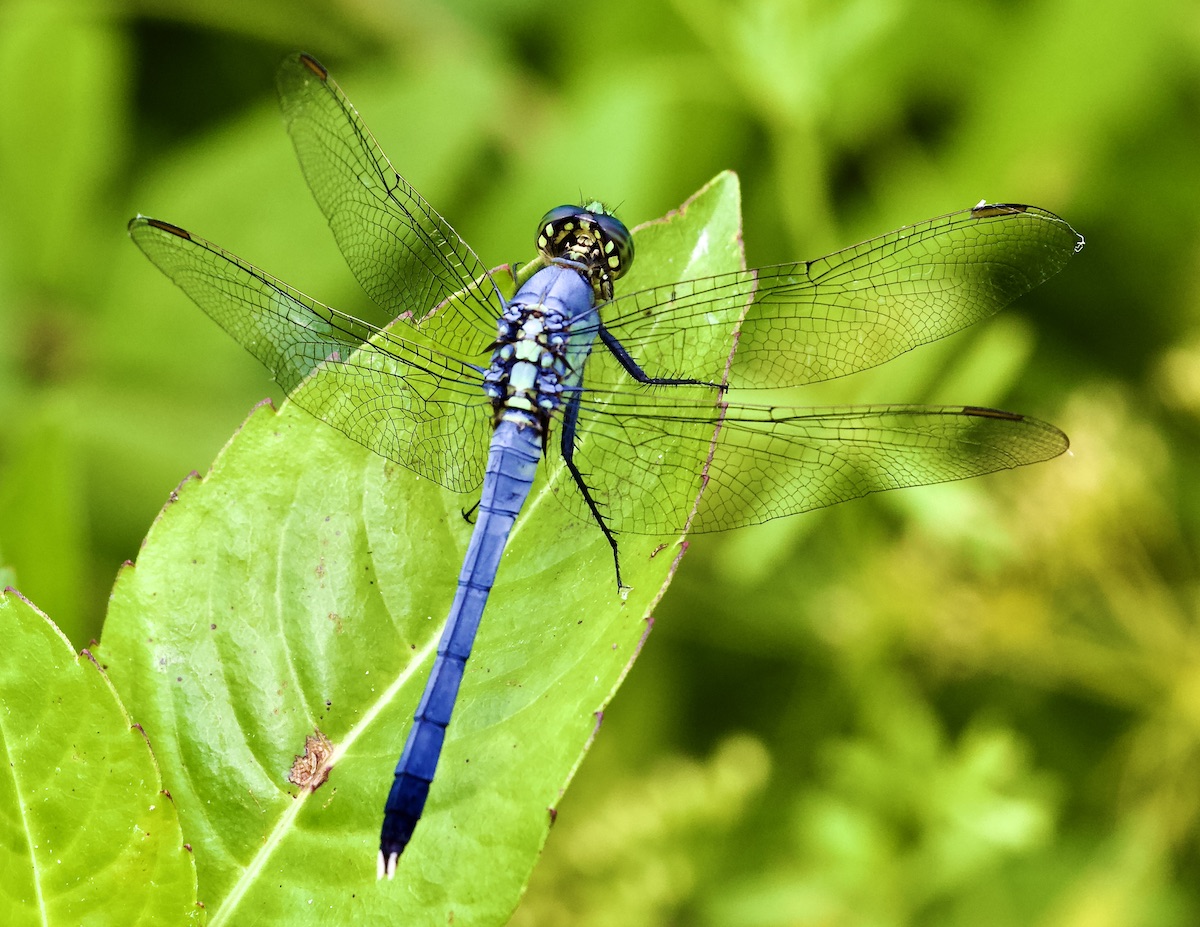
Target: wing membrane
[
  {"x": 397, "y": 396},
  {"x": 647, "y": 459},
  {"x": 856, "y": 308},
  {"x": 402, "y": 252}
]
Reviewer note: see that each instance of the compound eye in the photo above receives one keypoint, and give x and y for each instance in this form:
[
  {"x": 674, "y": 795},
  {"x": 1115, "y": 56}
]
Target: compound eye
[
  {"x": 559, "y": 225},
  {"x": 555, "y": 222},
  {"x": 618, "y": 243}
]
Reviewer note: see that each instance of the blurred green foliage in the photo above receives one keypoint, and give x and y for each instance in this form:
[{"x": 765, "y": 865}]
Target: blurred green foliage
[{"x": 975, "y": 704}]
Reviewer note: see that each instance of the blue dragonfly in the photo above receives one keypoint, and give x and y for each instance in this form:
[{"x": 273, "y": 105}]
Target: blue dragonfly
[{"x": 472, "y": 390}]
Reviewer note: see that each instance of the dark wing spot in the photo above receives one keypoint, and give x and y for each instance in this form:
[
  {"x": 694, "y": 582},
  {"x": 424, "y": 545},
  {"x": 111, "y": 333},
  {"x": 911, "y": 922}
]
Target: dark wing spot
[
  {"x": 981, "y": 412},
  {"x": 987, "y": 210},
  {"x": 168, "y": 227},
  {"x": 315, "y": 66}
]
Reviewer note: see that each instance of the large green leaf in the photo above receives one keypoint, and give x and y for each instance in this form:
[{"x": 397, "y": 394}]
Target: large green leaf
[
  {"x": 303, "y": 584},
  {"x": 87, "y": 835}
]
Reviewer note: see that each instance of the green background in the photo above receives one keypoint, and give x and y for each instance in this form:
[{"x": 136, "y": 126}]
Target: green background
[{"x": 968, "y": 704}]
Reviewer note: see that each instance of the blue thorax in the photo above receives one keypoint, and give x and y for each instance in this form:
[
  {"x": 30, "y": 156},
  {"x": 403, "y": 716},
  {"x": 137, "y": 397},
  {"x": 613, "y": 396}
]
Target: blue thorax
[{"x": 544, "y": 337}]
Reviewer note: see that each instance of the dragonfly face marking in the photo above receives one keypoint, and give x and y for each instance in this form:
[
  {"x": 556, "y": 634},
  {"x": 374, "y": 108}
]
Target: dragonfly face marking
[
  {"x": 589, "y": 236},
  {"x": 651, "y": 461}
]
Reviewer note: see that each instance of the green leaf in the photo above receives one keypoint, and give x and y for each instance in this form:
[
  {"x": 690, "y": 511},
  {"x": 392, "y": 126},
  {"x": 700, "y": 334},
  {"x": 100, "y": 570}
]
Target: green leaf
[
  {"x": 89, "y": 836},
  {"x": 303, "y": 585}
]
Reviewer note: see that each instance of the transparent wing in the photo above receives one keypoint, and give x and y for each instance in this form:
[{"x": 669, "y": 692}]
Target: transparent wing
[
  {"x": 406, "y": 256},
  {"x": 645, "y": 459},
  {"x": 854, "y": 309},
  {"x": 393, "y": 393}
]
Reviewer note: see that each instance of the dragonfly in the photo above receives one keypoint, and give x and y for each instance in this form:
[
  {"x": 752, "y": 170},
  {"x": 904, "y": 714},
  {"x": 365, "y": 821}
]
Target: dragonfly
[{"x": 473, "y": 390}]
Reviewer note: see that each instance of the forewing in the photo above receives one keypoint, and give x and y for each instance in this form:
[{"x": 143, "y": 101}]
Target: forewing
[
  {"x": 403, "y": 253},
  {"x": 856, "y": 308},
  {"x": 403, "y": 398},
  {"x": 645, "y": 458}
]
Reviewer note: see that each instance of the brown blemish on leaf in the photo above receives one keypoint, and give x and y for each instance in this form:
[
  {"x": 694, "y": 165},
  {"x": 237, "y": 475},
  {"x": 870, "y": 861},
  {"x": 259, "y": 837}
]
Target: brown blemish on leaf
[{"x": 311, "y": 769}]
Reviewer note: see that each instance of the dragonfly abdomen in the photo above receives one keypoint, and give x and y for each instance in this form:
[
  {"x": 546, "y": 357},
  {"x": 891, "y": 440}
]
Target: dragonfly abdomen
[{"x": 512, "y": 463}]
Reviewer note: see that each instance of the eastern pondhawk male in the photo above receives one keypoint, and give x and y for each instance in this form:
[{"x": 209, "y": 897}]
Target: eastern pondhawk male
[{"x": 471, "y": 390}]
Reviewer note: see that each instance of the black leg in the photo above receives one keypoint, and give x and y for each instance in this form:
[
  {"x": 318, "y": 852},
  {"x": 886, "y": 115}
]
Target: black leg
[
  {"x": 634, "y": 369},
  {"x": 570, "y": 420}
]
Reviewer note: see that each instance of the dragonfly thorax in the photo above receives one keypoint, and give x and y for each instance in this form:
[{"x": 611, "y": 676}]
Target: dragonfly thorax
[{"x": 529, "y": 363}]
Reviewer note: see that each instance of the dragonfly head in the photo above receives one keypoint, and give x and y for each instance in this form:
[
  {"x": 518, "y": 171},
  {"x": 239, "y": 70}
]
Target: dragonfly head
[{"x": 591, "y": 237}]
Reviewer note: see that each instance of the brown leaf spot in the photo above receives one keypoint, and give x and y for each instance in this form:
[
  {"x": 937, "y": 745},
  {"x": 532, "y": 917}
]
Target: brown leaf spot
[{"x": 311, "y": 769}]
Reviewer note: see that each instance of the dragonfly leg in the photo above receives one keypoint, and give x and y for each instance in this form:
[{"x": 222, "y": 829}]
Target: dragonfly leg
[
  {"x": 634, "y": 369},
  {"x": 570, "y": 420},
  {"x": 469, "y": 514}
]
